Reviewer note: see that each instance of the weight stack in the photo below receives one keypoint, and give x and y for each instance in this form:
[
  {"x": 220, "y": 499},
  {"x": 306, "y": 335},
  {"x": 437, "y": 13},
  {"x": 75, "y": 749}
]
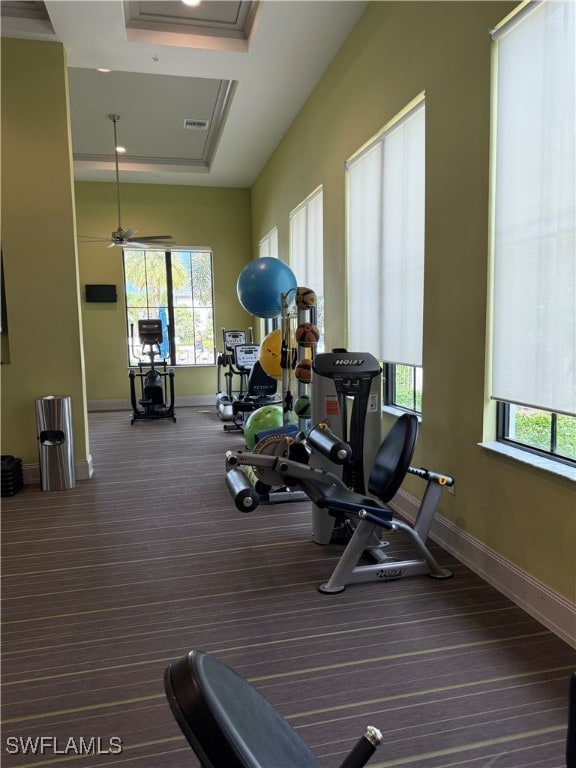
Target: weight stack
[{"x": 12, "y": 480}]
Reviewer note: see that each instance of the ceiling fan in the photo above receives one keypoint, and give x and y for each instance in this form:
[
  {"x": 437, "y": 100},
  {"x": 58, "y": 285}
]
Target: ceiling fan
[{"x": 125, "y": 237}]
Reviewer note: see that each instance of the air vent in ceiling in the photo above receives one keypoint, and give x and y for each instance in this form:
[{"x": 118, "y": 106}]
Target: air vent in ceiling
[{"x": 196, "y": 125}]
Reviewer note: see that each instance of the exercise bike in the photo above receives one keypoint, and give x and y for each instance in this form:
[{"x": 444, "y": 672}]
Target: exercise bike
[{"x": 156, "y": 378}]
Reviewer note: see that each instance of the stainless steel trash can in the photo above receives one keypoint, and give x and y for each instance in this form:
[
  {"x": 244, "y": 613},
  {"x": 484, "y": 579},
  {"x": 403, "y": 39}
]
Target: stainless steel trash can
[{"x": 55, "y": 443}]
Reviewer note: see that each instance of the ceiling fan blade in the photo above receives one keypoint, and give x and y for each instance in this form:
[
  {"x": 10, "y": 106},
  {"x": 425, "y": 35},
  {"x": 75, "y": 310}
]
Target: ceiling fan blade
[{"x": 153, "y": 239}]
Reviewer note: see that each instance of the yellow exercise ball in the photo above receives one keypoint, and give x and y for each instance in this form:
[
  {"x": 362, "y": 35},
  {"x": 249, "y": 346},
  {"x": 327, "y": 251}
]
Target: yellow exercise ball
[{"x": 271, "y": 354}]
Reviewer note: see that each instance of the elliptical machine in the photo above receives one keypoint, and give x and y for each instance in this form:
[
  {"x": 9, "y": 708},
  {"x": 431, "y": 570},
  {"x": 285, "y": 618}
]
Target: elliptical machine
[
  {"x": 227, "y": 359},
  {"x": 155, "y": 378}
]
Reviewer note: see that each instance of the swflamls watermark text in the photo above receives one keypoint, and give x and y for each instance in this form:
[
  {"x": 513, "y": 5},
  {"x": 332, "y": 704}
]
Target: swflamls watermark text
[{"x": 72, "y": 745}]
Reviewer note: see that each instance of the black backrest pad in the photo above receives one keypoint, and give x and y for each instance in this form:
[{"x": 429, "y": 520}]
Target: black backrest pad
[
  {"x": 259, "y": 383},
  {"x": 393, "y": 458},
  {"x": 227, "y": 722}
]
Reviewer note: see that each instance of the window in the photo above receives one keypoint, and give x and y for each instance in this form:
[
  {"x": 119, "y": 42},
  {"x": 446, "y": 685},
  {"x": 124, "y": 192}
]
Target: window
[
  {"x": 541, "y": 432},
  {"x": 403, "y": 386},
  {"x": 175, "y": 286},
  {"x": 533, "y": 230},
  {"x": 385, "y": 239},
  {"x": 268, "y": 246},
  {"x": 307, "y": 251}
]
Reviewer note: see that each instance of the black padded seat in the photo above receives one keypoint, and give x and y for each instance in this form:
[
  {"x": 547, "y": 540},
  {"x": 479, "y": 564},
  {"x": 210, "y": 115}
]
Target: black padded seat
[
  {"x": 388, "y": 471},
  {"x": 226, "y": 721}
]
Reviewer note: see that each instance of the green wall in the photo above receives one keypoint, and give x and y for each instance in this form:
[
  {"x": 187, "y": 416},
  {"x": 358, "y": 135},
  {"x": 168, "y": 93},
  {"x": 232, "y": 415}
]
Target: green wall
[
  {"x": 396, "y": 51},
  {"x": 43, "y": 328},
  {"x": 195, "y": 216},
  {"x": 53, "y": 341}
]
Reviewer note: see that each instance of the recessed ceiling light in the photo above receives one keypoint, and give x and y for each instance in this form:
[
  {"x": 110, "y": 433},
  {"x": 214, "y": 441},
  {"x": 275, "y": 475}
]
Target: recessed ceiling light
[
  {"x": 103, "y": 69},
  {"x": 192, "y": 3},
  {"x": 120, "y": 149}
]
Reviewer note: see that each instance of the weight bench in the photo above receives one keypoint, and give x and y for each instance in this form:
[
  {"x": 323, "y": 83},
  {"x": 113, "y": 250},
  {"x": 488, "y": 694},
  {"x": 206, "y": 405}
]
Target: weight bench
[
  {"x": 229, "y": 724},
  {"x": 369, "y": 514}
]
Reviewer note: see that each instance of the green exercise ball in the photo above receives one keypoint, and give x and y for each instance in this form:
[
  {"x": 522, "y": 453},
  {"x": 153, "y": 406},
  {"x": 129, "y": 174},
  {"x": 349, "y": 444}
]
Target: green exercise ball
[{"x": 267, "y": 417}]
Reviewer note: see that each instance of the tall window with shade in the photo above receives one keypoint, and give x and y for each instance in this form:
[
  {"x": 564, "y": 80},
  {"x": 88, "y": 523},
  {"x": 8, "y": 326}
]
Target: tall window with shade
[
  {"x": 268, "y": 245},
  {"x": 307, "y": 251},
  {"x": 385, "y": 252},
  {"x": 533, "y": 230}
]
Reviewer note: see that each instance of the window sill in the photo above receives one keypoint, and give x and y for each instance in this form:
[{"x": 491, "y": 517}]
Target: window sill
[{"x": 540, "y": 462}]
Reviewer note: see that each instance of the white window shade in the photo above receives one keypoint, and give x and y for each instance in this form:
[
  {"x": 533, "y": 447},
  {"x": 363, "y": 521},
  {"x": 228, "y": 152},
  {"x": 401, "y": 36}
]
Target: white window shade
[
  {"x": 385, "y": 223},
  {"x": 298, "y": 244},
  {"x": 307, "y": 243},
  {"x": 403, "y": 242},
  {"x": 534, "y": 288},
  {"x": 268, "y": 246},
  {"x": 365, "y": 268}
]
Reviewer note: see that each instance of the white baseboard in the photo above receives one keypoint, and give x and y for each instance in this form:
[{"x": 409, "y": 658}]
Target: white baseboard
[
  {"x": 124, "y": 405},
  {"x": 547, "y": 606},
  {"x": 84, "y": 471}
]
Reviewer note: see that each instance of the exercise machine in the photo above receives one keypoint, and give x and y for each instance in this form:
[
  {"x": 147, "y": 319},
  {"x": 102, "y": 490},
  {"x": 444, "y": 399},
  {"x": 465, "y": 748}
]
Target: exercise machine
[
  {"x": 255, "y": 388},
  {"x": 155, "y": 377},
  {"x": 229, "y": 724},
  {"x": 227, "y": 359},
  {"x": 346, "y": 397},
  {"x": 370, "y": 514},
  {"x": 260, "y": 388},
  {"x": 274, "y": 431}
]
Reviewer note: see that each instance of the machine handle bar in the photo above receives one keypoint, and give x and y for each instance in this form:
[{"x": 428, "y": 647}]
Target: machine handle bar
[
  {"x": 363, "y": 749},
  {"x": 433, "y": 477}
]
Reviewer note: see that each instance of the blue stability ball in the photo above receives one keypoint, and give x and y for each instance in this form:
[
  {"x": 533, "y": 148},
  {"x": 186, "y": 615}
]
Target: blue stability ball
[{"x": 261, "y": 284}]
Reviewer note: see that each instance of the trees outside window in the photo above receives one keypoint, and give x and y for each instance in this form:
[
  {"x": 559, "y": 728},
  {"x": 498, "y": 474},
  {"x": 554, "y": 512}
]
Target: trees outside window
[{"x": 175, "y": 286}]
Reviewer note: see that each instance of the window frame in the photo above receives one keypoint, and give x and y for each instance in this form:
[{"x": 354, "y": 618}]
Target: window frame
[
  {"x": 147, "y": 311},
  {"x": 505, "y": 421},
  {"x": 389, "y": 388},
  {"x": 416, "y": 108},
  {"x": 503, "y": 429}
]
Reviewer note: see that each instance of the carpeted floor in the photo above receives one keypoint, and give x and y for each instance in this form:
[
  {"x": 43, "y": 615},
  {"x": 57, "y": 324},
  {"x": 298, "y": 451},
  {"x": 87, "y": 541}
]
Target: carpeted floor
[{"x": 105, "y": 584}]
